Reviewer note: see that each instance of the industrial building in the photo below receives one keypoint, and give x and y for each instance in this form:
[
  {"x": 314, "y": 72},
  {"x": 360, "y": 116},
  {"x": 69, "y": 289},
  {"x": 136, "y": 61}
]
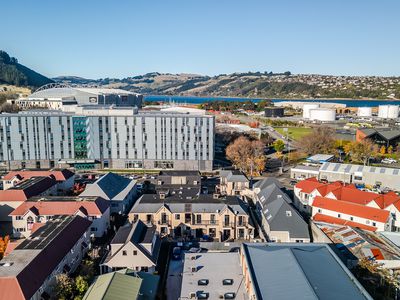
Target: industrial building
[
  {"x": 382, "y": 137},
  {"x": 274, "y": 112},
  {"x": 364, "y": 111},
  {"x": 95, "y": 137},
  {"x": 348, "y": 173},
  {"x": 64, "y": 97},
  {"x": 388, "y": 111}
]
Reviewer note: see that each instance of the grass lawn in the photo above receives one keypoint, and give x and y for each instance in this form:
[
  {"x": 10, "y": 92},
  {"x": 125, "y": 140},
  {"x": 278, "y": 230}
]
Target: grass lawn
[{"x": 295, "y": 133}]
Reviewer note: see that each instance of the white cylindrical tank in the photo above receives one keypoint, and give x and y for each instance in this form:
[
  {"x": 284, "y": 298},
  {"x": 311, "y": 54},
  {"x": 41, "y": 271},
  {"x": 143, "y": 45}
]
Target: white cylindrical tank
[
  {"x": 323, "y": 114},
  {"x": 307, "y": 107},
  {"x": 388, "y": 111},
  {"x": 364, "y": 111}
]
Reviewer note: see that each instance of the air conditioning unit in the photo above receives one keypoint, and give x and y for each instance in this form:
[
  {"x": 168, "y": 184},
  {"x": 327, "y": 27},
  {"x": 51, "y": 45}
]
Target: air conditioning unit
[{"x": 162, "y": 195}]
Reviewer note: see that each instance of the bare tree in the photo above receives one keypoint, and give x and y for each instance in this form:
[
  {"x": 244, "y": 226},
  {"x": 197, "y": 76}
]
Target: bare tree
[{"x": 320, "y": 140}]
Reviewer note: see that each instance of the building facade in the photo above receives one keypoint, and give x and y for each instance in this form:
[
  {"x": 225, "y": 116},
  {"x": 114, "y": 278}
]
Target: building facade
[
  {"x": 183, "y": 216},
  {"x": 106, "y": 137}
]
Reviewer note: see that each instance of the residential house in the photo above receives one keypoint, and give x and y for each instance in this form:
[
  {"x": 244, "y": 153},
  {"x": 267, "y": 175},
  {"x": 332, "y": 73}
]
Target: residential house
[
  {"x": 232, "y": 182},
  {"x": 306, "y": 192},
  {"x": 191, "y": 178},
  {"x": 119, "y": 190},
  {"x": 134, "y": 246},
  {"x": 22, "y": 191},
  {"x": 212, "y": 275},
  {"x": 38, "y": 210},
  {"x": 279, "y": 220},
  {"x": 187, "y": 214},
  {"x": 29, "y": 271},
  {"x": 63, "y": 177},
  {"x": 124, "y": 284},
  {"x": 353, "y": 214},
  {"x": 293, "y": 271}
]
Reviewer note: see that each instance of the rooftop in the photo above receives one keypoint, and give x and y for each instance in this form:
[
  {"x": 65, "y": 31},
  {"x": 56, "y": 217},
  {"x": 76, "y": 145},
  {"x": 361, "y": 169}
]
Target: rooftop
[
  {"x": 59, "y": 175},
  {"x": 124, "y": 284},
  {"x": 208, "y": 266},
  {"x": 351, "y": 169},
  {"x": 285, "y": 271},
  {"x": 28, "y": 188},
  {"x": 24, "y": 270}
]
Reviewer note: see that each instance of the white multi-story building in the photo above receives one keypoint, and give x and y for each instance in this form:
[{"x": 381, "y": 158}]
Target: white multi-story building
[{"x": 106, "y": 137}]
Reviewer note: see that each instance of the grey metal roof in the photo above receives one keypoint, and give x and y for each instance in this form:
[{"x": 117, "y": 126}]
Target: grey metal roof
[
  {"x": 286, "y": 271},
  {"x": 110, "y": 187},
  {"x": 276, "y": 208},
  {"x": 350, "y": 169},
  {"x": 151, "y": 203},
  {"x": 233, "y": 176}
]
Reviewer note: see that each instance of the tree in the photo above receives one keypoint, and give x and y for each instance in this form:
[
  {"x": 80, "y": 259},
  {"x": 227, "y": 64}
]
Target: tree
[
  {"x": 390, "y": 149},
  {"x": 279, "y": 146},
  {"x": 246, "y": 155},
  {"x": 3, "y": 245},
  {"x": 320, "y": 140},
  {"x": 81, "y": 285},
  {"x": 64, "y": 286},
  {"x": 361, "y": 151},
  {"x": 382, "y": 150}
]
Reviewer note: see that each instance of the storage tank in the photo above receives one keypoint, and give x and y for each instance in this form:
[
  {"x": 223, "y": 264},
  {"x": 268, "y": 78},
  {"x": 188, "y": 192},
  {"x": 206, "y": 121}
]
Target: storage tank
[
  {"x": 274, "y": 112},
  {"x": 364, "y": 112},
  {"x": 306, "y": 109},
  {"x": 323, "y": 114},
  {"x": 388, "y": 111}
]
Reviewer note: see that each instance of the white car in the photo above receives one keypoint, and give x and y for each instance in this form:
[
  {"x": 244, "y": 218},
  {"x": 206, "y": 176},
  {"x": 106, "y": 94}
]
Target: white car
[{"x": 388, "y": 161}]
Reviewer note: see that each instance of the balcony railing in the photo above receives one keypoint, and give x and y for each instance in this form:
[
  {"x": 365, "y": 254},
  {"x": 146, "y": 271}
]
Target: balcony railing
[{"x": 205, "y": 222}]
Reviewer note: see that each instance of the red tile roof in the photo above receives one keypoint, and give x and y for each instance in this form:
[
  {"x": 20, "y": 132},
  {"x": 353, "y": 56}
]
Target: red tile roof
[
  {"x": 10, "y": 289},
  {"x": 52, "y": 208},
  {"x": 309, "y": 185},
  {"x": 59, "y": 175},
  {"x": 332, "y": 220},
  {"x": 36, "y": 226},
  {"x": 11, "y": 246},
  {"x": 352, "y": 209}
]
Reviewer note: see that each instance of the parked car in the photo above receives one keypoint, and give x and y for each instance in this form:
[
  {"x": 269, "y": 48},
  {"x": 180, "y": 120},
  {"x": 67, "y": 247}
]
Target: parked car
[
  {"x": 388, "y": 161},
  {"x": 176, "y": 253}
]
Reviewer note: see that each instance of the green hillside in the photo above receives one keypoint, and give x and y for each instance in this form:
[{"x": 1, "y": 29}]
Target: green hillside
[{"x": 13, "y": 73}]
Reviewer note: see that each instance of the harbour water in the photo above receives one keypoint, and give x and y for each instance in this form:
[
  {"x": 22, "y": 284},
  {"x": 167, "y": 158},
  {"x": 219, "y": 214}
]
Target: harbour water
[{"x": 199, "y": 100}]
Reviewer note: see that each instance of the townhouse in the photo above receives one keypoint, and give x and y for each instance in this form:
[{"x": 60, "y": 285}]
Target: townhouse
[
  {"x": 134, "y": 246},
  {"x": 36, "y": 211},
  {"x": 29, "y": 271},
  {"x": 279, "y": 220},
  {"x": 232, "y": 182},
  {"x": 22, "y": 191},
  {"x": 64, "y": 178},
  {"x": 119, "y": 190},
  {"x": 184, "y": 213}
]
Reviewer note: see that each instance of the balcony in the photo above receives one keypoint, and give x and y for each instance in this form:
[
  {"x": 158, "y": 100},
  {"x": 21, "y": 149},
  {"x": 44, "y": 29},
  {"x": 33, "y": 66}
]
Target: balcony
[
  {"x": 205, "y": 222},
  {"x": 164, "y": 222}
]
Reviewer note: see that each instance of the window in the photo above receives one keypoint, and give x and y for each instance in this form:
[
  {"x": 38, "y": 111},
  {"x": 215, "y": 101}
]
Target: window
[
  {"x": 177, "y": 216},
  {"x": 319, "y": 210},
  {"x": 373, "y": 224},
  {"x": 19, "y": 218},
  {"x": 367, "y": 222},
  {"x": 198, "y": 219},
  {"x": 93, "y": 229},
  {"x": 202, "y": 295},
  {"x": 299, "y": 241},
  {"x": 338, "y": 215},
  {"x": 231, "y": 295},
  {"x": 124, "y": 253},
  {"x": 134, "y": 252}
]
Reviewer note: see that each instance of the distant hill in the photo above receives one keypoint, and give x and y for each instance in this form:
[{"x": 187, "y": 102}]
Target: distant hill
[
  {"x": 13, "y": 73},
  {"x": 253, "y": 85}
]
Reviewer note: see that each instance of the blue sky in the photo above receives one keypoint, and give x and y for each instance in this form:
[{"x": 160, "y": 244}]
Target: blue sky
[{"x": 118, "y": 38}]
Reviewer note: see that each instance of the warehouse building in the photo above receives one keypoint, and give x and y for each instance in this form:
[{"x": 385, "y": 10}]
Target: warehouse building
[
  {"x": 96, "y": 137},
  {"x": 274, "y": 112},
  {"x": 382, "y": 137}
]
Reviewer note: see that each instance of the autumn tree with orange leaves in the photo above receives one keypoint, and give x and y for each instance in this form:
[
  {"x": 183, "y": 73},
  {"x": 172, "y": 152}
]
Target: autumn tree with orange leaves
[
  {"x": 247, "y": 156},
  {"x": 3, "y": 245}
]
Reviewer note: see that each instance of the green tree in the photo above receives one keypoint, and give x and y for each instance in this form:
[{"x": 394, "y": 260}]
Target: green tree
[
  {"x": 361, "y": 151},
  {"x": 81, "y": 285},
  {"x": 279, "y": 146},
  {"x": 64, "y": 287}
]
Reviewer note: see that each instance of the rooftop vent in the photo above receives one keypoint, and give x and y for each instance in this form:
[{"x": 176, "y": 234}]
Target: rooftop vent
[
  {"x": 192, "y": 295},
  {"x": 288, "y": 213},
  {"x": 230, "y": 295},
  {"x": 194, "y": 269},
  {"x": 202, "y": 295},
  {"x": 227, "y": 281},
  {"x": 215, "y": 196},
  {"x": 162, "y": 195},
  {"x": 6, "y": 264},
  {"x": 203, "y": 282}
]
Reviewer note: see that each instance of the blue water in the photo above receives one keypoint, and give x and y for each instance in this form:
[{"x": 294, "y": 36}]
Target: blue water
[{"x": 199, "y": 100}]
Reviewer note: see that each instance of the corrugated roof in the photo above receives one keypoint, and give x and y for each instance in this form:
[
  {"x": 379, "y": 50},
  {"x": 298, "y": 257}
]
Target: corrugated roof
[{"x": 308, "y": 271}]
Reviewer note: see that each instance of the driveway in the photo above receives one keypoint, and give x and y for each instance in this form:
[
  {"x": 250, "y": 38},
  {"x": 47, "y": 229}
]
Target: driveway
[{"x": 174, "y": 279}]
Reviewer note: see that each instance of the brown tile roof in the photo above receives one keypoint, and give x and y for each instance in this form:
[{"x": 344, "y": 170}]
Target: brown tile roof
[{"x": 59, "y": 175}]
